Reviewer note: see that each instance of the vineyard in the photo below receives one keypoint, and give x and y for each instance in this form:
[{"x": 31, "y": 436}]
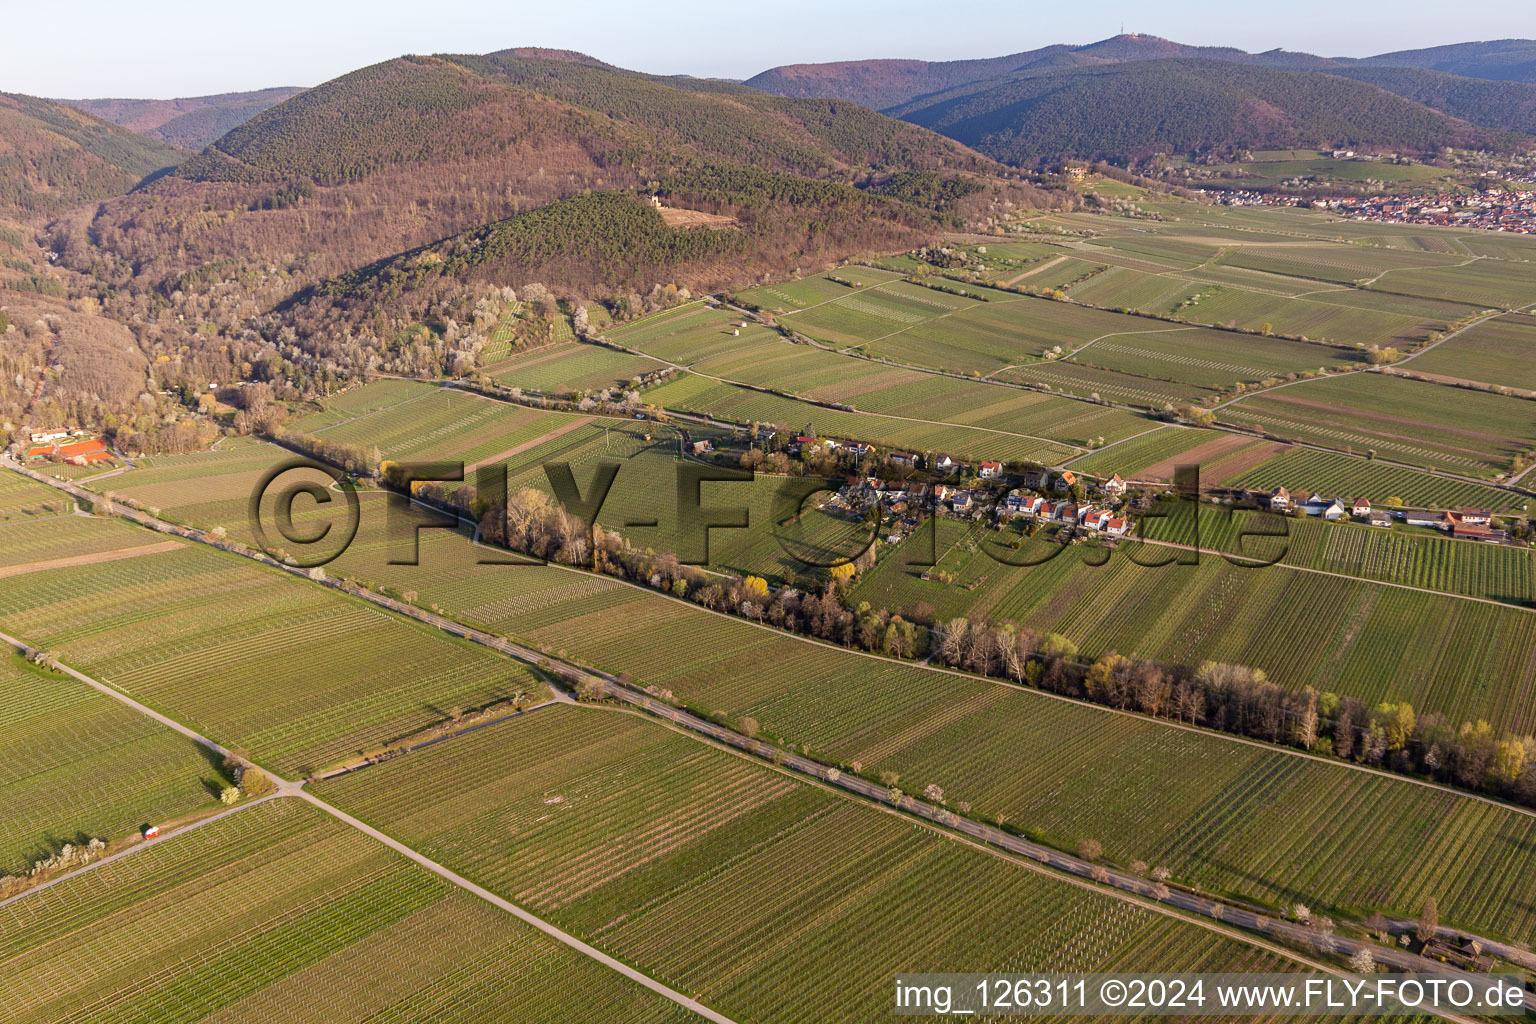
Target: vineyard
[
  {"x": 917, "y": 722},
  {"x": 21, "y": 498},
  {"x": 1364, "y": 639},
  {"x": 1129, "y": 458},
  {"x": 1485, "y": 283},
  {"x": 995, "y": 335},
  {"x": 1412, "y": 557},
  {"x": 1493, "y": 352},
  {"x": 362, "y": 400},
  {"x": 1472, "y": 433},
  {"x": 571, "y": 367},
  {"x": 823, "y": 376},
  {"x": 529, "y": 808},
  {"x": 79, "y": 766},
  {"x": 1073, "y": 378},
  {"x": 788, "y": 296},
  {"x": 691, "y": 393},
  {"x": 690, "y": 333},
  {"x": 1339, "y": 264},
  {"x": 445, "y": 424},
  {"x": 1207, "y": 358},
  {"x": 299, "y": 675},
  {"x": 1307, "y": 470},
  {"x": 282, "y": 915}
]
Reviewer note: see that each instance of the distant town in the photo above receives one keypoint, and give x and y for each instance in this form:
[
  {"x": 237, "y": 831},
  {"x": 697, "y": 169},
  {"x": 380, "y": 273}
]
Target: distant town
[{"x": 1489, "y": 210}]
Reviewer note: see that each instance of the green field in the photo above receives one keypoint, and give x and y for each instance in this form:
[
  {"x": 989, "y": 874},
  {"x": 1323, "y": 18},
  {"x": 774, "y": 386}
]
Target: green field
[
  {"x": 1131, "y": 457},
  {"x": 1414, "y": 557},
  {"x": 1014, "y": 753},
  {"x": 1338, "y": 264},
  {"x": 1307, "y": 469},
  {"x": 1489, "y": 283},
  {"x": 531, "y": 809},
  {"x": 1207, "y": 358},
  {"x": 1495, "y": 352},
  {"x": 571, "y": 367},
  {"x": 212, "y": 490},
  {"x": 1471, "y": 433},
  {"x": 22, "y": 499},
  {"x": 299, "y": 675},
  {"x": 691, "y": 393},
  {"x": 281, "y": 914},
  {"x": 1351, "y": 636},
  {"x": 360, "y": 400},
  {"x": 444, "y": 423},
  {"x": 75, "y": 765},
  {"x": 690, "y": 333},
  {"x": 1074, "y": 378},
  {"x": 821, "y": 376}
]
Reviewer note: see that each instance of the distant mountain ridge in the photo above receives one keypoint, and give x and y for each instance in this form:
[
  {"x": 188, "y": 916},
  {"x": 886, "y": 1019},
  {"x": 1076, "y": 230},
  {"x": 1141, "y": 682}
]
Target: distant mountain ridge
[
  {"x": 191, "y": 122},
  {"x": 885, "y": 83},
  {"x": 1131, "y": 110},
  {"x": 1501, "y": 60},
  {"x": 1059, "y": 101}
]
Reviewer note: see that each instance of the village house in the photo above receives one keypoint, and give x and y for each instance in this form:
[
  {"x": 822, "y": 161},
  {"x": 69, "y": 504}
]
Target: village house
[
  {"x": 1116, "y": 526},
  {"x": 1415, "y": 517},
  {"x": 960, "y": 501},
  {"x": 700, "y": 447},
  {"x": 1065, "y": 481},
  {"x": 1475, "y": 516},
  {"x": 1361, "y": 509},
  {"x": 1334, "y": 511},
  {"x": 990, "y": 470},
  {"x": 1036, "y": 479},
  {"x": 1379, "y": 518},
  {"x": 1114, "y": 486},
  {"x": 945, "y": 464},
  {"x": 904, "y": 460},
  {"x": 1096, "y": 519},
  {"x": 1280, "y": 500},
  {"x": 1462, "y": 531},
  {"x": 1022, "y": 504}
]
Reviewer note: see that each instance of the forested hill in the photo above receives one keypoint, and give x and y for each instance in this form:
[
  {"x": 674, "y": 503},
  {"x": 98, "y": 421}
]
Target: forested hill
[
  {"x": 881, "y": 84},
  {"x": 452, "y": 109},
  {"x": 1502, "y": 60},
  {"x": 534, "y": 169},
  {"x": 410, "y": 151},
  {"x": 1508, "y": 106},
  {"x": 1125, "y": 111},
  {"x": 190, "y": 121},
  {"x": 608, "y": 244},
  {"x": 52, "y": 155}
]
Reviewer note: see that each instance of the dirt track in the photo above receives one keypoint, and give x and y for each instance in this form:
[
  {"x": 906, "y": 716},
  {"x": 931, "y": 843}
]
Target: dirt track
[
  {"x": 94, "y": 559},
  {"x": 512, "y": 452}
]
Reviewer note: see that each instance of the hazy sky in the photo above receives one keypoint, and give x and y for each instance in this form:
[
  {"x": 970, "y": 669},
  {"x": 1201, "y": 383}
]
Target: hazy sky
[{"x": 164, "y": 48}]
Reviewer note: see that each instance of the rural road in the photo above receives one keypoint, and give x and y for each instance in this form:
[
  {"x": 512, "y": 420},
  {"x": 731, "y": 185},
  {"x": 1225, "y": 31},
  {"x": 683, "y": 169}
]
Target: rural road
[
  {"x": 518, "y": 912},
  {"x": 1368, "y": 369},
  {"x": 986, "y": 834},
  {"x": 288, "y": 788}
]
